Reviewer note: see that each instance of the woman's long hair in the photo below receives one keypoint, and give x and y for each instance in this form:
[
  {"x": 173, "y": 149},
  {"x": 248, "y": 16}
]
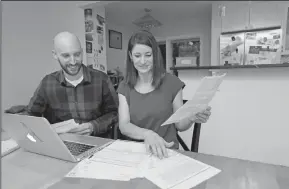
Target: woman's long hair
[{"x": 145, "y": 38}]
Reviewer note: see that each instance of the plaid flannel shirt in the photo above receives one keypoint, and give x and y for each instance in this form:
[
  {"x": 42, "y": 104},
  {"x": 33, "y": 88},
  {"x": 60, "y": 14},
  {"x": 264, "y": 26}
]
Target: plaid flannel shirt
[{"x": 94, "y": 100}]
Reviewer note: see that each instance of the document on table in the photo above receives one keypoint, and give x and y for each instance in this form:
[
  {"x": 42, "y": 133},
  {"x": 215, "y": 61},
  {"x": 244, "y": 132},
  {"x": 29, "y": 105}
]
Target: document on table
[
  {"x": 121, "y": 160},
  {"x": 118, "y": 161},
  {"x": 8, "y": 146},
  {"x": 125, "y": 160},
  {"x": 65, "y": 126},
  {"x": 206, "y": 91},
  {"x": 164, "y": 174}
]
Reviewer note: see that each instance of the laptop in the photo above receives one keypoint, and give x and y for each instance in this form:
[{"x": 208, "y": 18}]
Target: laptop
[{"x": 36, "y": 135}]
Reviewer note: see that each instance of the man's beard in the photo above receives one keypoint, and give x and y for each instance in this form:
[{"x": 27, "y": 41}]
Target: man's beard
[{"x": 65, "y": 68}]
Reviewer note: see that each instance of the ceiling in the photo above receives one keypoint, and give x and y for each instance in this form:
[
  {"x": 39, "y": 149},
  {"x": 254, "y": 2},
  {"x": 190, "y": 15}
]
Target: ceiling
[{"x": 125, "y": 12}]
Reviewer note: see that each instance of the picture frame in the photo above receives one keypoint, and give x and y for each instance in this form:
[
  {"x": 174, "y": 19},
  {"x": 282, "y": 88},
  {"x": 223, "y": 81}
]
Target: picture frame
[{"x": 115, "y": 39}]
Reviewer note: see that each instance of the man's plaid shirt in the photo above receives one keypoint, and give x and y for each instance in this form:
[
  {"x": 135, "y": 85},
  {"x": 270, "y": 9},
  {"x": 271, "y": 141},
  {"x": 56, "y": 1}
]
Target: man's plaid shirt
[{"x": 94, "y": 100}]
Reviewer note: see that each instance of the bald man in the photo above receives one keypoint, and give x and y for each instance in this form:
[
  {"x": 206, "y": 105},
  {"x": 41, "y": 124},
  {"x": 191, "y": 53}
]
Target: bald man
[{"x": 75, "y": 92}]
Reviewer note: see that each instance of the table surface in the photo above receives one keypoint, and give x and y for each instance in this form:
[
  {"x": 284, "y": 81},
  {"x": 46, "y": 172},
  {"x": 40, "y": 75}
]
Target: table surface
[{"x": 22, "y": 170}]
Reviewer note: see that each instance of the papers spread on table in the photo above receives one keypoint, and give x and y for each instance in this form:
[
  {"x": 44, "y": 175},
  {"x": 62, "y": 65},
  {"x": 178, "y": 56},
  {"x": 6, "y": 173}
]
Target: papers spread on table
[
  {"x": 118, "y": 161},
  {"x": 125, "y": 160},
  {"x": 65, "y": 126},
  {"x": 8, "y": 146},
  {"x": 206, "y": 91},
  {"x": 175, "y": 170}
]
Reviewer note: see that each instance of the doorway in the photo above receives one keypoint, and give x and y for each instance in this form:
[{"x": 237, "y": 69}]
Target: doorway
[
  {"x": 189, "y": 47},
  {"x": 162, "y": 47}
]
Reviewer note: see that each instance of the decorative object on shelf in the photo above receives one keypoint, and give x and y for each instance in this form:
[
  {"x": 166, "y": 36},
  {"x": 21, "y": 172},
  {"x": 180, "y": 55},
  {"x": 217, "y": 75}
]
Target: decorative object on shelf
[
  {"x": 186, "y": 52},
  {"x": 186, "y": 61},
  {"x": 147, "y": 21},
  {"x": 284, "y": 59},
  {"x": 115, "y": 39},
  {"x": 115, "y": 76}
]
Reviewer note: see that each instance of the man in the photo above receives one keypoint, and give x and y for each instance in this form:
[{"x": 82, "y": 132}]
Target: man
[{"x": 75, "y": 92}]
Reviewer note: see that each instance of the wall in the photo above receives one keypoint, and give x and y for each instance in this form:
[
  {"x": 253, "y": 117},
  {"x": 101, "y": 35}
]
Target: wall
[
  {"x": 249, "y": 115},
  {"x": 27, "y": 32},
  {"x": 95, "y": 37},
  {"x": 200, "y": 26},
  {"x": 117, "y": 57},
  {"x": 197, "y": 26}
]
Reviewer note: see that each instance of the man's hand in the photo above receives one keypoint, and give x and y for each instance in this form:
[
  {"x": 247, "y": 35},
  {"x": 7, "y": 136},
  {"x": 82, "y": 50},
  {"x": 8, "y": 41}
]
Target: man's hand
[{"x": 82, "y": 129}]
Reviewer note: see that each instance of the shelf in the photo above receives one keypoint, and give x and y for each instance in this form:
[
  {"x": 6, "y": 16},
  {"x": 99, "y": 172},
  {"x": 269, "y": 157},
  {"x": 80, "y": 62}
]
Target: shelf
[
  {"x": 251, "y": 30},
  {"x": 230, "y": 67}
]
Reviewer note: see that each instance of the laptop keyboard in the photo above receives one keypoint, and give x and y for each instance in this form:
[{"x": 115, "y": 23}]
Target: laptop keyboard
[{"x": 77, "y": 148}]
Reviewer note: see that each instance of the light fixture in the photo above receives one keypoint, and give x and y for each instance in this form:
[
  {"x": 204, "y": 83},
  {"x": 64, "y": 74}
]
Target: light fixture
[{"x": 147, "y": 21}]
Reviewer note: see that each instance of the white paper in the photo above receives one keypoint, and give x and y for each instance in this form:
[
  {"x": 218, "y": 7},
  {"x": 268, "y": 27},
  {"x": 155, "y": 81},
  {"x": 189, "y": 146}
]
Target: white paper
[
  {"x": 118, "y": 161},
  {"x": 8, "y": 146},
  {"x": 121, "y": 160},
  {"x": 89, "y": 168},
  {"x": 200, "y": 101},
  {"x": 65, "y": 126},
  {"x": 164, "y": 174},
  {"x": 197, "y": 179},
  {"x": 124, "y": 160}
]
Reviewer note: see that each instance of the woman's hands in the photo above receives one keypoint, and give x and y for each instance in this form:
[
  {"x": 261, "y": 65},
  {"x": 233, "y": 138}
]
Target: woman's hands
[
  {"x": 202, "y": 117},
  {"x": 156, "y": 145}
]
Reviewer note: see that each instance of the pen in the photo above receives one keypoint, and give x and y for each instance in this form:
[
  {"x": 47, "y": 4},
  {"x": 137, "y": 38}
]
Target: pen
[
  {"x": 100, "y": 148},
  {"x": 90, "y": 156}
]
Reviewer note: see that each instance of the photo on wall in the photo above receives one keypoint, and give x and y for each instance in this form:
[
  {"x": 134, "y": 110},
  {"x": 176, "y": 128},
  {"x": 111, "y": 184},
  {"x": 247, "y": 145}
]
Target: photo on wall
[
  {"x": 115, "y": 39},
  {"x": 264, "y": 47},
  {"x": 251, "y": 47},
  {"x": 88, "y": 14},
  {"x": 100, "y": 20},
  {"x": 88, "y": 37},
  {"x": 88, "y": 47},
  {"x": 99, "y": 30},
  {"x": 100, "y": 40},
  {"x": 232, "y": 49},
  {"x": 88, "y": 26}
]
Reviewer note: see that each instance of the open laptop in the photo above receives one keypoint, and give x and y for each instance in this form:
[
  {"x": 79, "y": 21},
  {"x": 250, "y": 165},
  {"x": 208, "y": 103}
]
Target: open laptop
[{"x": 36, "y": 135}]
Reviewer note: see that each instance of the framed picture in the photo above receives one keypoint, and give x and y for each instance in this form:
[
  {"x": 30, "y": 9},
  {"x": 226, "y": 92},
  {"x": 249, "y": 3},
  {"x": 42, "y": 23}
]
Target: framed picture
[{"x": 115, "y": 39}]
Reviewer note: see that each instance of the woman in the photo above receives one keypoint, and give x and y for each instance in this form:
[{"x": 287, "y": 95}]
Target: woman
[{"x": 148, "y": 96}]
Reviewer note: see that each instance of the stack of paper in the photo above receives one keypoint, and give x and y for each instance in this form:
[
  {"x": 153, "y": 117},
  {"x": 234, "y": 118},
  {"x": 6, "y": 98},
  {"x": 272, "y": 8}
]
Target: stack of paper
[
  {"x": 118, "y": 161},
  {"x": 125, "y": 160},
  {"x": 65, "y": 126},
  {"x": 8, "y": 146}
]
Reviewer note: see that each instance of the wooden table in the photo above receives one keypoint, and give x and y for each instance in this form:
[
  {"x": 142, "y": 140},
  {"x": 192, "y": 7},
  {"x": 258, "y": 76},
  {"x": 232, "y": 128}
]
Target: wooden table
[{"x": 24, "y": 170}]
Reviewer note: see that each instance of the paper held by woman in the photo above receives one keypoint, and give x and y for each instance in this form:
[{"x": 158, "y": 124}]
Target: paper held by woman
[{"x": 206, "y": 91}]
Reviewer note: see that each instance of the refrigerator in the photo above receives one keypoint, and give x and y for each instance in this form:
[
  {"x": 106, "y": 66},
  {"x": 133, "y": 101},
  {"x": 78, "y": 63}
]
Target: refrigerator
[{"x": 251, "y": 47}]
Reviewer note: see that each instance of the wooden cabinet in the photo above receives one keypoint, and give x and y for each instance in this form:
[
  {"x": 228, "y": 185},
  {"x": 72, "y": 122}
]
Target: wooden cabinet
[
  {"x": 236, "y": 16},
  {"x": 239, "y": 15},
  {"x": 265, "y": 14}
]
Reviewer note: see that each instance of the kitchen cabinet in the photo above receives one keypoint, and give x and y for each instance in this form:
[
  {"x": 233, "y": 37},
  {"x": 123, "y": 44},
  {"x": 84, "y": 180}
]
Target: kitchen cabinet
[
  {"x": 265, "y": 14},
  {"x": 242, "y": 15},
  {"x": 236, "y": 16}
]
